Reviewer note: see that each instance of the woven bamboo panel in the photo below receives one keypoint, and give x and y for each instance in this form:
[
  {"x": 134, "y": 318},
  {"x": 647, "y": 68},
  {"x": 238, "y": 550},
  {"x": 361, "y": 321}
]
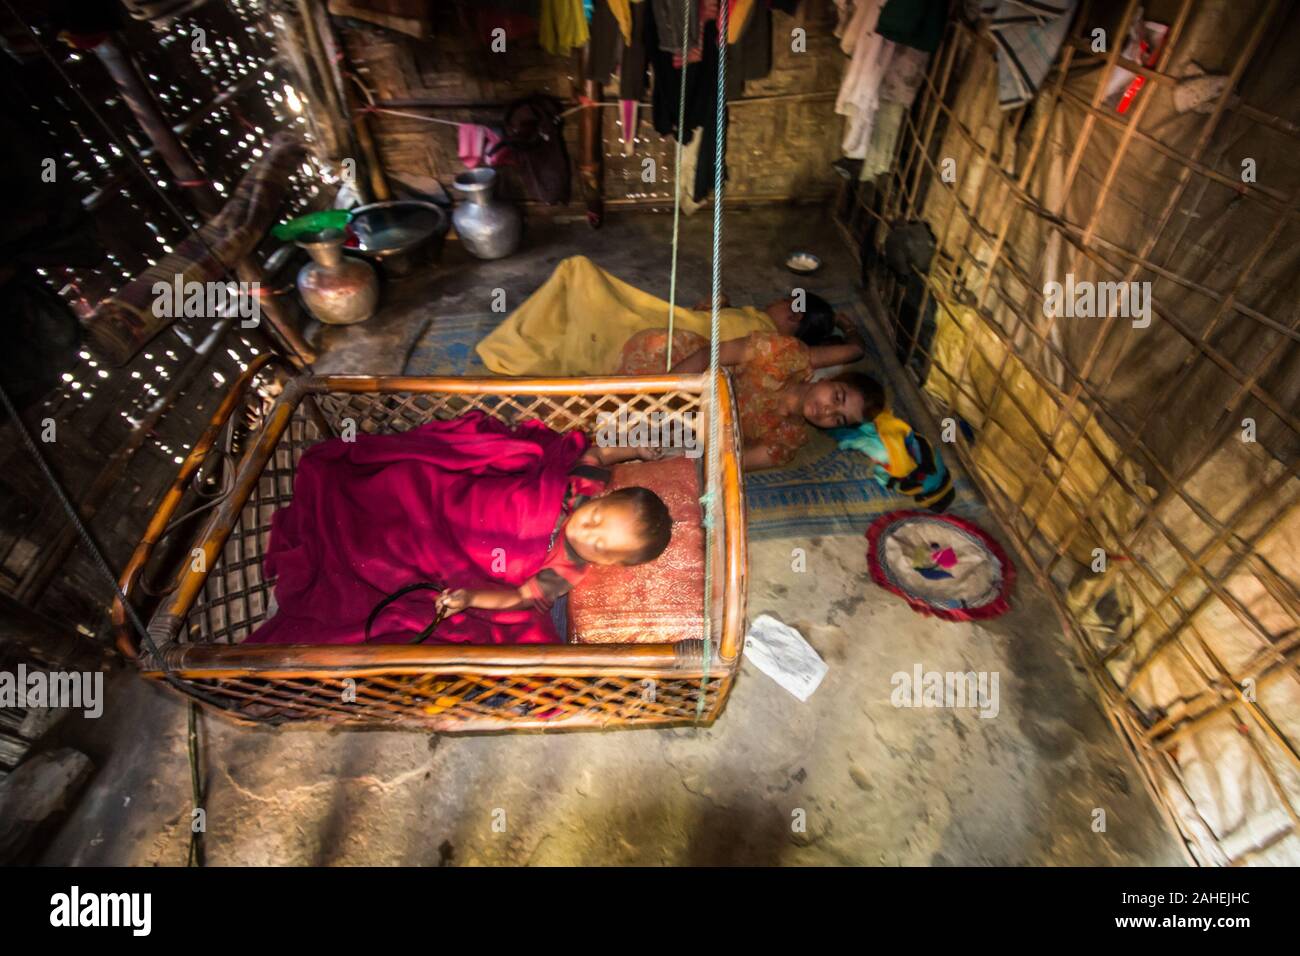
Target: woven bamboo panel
[{"x": 456, "y": 701}]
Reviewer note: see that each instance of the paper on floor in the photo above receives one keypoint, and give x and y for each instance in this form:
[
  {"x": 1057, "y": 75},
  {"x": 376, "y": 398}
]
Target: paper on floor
[{"x": 782, "y": 654}]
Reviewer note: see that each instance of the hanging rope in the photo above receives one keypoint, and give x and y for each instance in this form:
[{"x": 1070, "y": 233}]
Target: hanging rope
[
  {"x": 677, "y": 180},
  {"x": 708, "y": 503}
]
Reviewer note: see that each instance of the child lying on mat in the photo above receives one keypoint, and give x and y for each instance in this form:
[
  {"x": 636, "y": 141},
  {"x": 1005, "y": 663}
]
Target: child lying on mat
[{"x": 628, "y": 526}]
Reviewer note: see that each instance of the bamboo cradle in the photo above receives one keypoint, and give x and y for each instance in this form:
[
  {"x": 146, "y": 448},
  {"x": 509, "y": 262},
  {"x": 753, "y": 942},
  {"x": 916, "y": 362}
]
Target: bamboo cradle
[{"x": 218, "y": 596}]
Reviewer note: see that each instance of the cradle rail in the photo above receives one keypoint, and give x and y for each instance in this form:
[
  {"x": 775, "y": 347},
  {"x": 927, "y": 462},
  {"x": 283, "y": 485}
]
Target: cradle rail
[{"x": 442, "y": 687}]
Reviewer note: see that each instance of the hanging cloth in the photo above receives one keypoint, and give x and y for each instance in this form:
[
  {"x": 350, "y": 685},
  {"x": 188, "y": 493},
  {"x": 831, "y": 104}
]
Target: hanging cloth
[
  {"x": 701, "y": 101},
  {"x": 915, "y": 23},
  {"x": 859, "y": 94},
  {"x": 668, "y": 20},
  {"x": 627, "y": 124},
  {"x": 563, "y": 26},
  {"x": 752, "y": 52},
  {"x": 622, "y": 13},
  {"x": 614, "y": 49},
  {"x": 477, "y": 145}
]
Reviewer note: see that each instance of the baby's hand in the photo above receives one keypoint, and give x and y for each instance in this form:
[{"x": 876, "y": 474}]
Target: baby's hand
[{"x": 453, "y": 602}]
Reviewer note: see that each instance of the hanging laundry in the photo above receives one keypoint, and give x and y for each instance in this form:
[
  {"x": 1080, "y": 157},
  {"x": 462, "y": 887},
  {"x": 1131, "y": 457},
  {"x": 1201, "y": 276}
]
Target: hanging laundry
[
  {"x": 668, "y": 21},
  {"x": 738, "y": 13},
  {"x": 843, "y": 14},
  {"x": 914, "y": 23},
  {"x": 1027, "y": 36},
  {"x": 611, "y": 50},
  {"x": 880, "y": 71},
  {"x": 563, "y": 26},
  {"x": 701, "y": 103},
  {"x": 690, "y": 164},
  {"x": 622, "y": 13},
  {"x": 859, "y": 95},
  {"x": 879, "y": 156},
  {"x": 627, "y": 123},
  {"x": 751, "y": 55},
  {"x": 476, "y": 145},
  {"x": 898, "y": 89}
]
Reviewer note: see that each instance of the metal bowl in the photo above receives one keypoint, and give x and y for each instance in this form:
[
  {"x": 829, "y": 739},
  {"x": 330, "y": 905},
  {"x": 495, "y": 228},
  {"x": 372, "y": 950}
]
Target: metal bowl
[
  {"x": 803, "y": 263},
  {"x": 400, "y": 236}
]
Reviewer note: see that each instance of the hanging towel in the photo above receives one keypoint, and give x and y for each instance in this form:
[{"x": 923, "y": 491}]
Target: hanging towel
[
  {"x": 1028, "y": 36},
  {"x": 475, "y": 145},
  {"x": 563, "y": 26},
  {"x": 859, "y": 93}
]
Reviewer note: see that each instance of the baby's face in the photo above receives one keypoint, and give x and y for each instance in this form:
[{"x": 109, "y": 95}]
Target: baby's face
[{"x": 603, "y": 532}]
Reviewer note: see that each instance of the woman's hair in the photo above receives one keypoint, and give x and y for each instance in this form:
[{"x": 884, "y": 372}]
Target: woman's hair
[
  {"x": 816, "y": 321},
  {"x": 873, "y": 394},
  {"x": 654, "y": 522}
]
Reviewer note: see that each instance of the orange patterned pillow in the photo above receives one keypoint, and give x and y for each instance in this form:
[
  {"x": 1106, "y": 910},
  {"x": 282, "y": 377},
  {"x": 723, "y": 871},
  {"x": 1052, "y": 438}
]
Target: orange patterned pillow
[{"x": 657, "y": 603}]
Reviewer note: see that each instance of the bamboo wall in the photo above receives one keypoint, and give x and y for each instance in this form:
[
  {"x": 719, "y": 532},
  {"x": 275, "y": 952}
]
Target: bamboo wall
[{"x": 1147, "y": 474}]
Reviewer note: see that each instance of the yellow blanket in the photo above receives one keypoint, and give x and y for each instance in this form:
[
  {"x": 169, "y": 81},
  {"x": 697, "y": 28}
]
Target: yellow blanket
[{"x": 578, "y": 321}]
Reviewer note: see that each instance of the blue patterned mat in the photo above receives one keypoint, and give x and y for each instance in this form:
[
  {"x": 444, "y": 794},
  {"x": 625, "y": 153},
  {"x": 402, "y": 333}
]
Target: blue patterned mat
[{"x": 824, "y": 491}]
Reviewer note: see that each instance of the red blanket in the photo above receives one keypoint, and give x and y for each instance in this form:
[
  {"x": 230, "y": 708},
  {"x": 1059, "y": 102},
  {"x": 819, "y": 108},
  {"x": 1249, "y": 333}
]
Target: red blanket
[{"x": 469, "y": 503}]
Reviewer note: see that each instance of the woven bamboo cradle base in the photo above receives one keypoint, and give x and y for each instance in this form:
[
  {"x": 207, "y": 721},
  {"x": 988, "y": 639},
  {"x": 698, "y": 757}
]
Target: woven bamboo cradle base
[{"x": 218, "y": 596}]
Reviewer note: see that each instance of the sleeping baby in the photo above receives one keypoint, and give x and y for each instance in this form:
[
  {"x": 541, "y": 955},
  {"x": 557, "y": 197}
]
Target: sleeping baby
[{"x": 628, "y": 526}]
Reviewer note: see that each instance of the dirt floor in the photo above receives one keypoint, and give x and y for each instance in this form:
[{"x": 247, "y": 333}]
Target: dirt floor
[{"x": 846, "y": 778}]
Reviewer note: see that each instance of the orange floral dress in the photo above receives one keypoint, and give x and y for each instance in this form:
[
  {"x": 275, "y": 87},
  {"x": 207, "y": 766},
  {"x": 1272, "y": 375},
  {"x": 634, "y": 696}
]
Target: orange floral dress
[{"x": 776, "y": 361}]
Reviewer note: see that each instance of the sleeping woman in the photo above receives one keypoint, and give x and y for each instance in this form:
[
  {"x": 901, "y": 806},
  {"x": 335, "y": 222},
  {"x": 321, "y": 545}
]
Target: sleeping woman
[
  {"x": 577, "y": 322},
  {"x": 776, "y": 394},
  {"x": 501, "y": 520}
]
